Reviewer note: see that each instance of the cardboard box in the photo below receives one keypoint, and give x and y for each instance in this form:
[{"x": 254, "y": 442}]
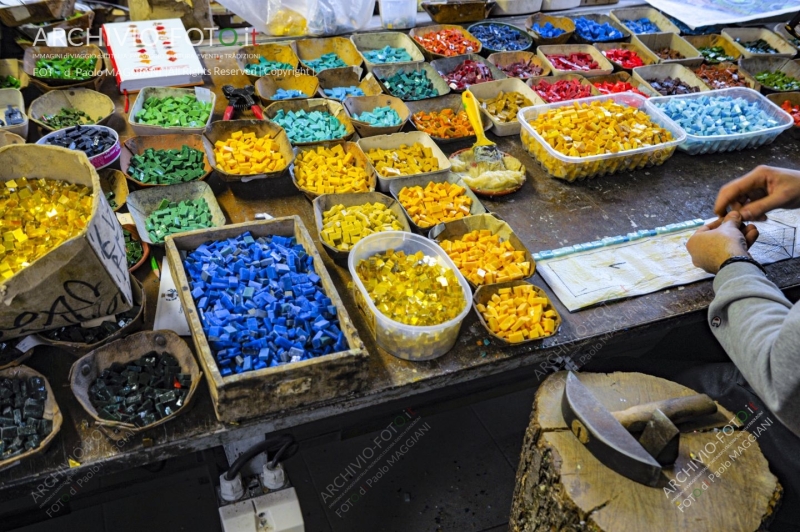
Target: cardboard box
[{"x": 85, "y": 277}]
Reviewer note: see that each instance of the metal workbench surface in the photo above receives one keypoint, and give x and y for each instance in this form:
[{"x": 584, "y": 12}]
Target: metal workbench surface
[{"x": 547, "y": 213}]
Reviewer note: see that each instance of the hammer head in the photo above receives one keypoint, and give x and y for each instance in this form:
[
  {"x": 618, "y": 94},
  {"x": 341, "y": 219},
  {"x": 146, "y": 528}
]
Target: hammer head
[
  {"x": 661, "y": 438},
  {"x": 605, "y": 436}
]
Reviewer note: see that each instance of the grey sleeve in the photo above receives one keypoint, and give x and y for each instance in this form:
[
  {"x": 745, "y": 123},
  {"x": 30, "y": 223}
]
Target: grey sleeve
[{"x": 760, "y": 330}]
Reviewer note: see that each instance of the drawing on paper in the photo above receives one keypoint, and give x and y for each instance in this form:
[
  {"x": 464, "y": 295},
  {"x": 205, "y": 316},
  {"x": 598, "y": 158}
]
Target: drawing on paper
[
  {"x": 776, "y": 242},
  {"x": 643, "y": 266}
]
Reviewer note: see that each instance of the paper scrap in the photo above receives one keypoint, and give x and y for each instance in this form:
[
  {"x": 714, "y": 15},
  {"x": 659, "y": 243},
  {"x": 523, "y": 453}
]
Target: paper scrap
[{"x": 169, "y": 311}]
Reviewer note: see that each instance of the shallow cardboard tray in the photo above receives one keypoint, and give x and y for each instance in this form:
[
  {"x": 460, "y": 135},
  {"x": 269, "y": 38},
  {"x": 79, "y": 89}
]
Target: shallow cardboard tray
[
  {"x": 44, "y": 87},
  {"x": 14, "y": 356},
  {"x": 785, "y": 49},
  {"x": 309, "y": 49},
  {"x": 604, "y": 65},
  {"x": 112, "y": 180},
  {"x": 485, "y": 51},
  {"x": 458, "y": 12},
  {"x": 749, "y": 80},
  {"x": 222, "y": 130},
  {"x": 794, "y": 97},
  {"x": 35, "y": 52},
  {"x": 326, "y": 201},
  {"x": 356, "y": 105},
  {"x": 671, "y": 70},
  {"x": 458, "y": 228},
  {"x": 255, "y": 393},
  {"x": 447, "y": 65},
  {"x": 95, "y": 257},
  {"x": 424, "y": 30},
  {"x": 635, "y": 13},
  {"x": 756, "y": 65},
  {"x": 87, "y": 369},
  {"x": 484, "y": 293},
  {"x": 648, "y": 57},
  {"x": 601, "y": 19},
  {"x": 348, "y": 147},
  {"x": 565, "y": 23},
  {"x": 13, "y": 67},
  {"x": 365, "y": 42},
  {"x": 347, "y": 77},
  {"x": 78, "y": 349},
  {"x": 9, "y": 139},
  {"x": 501, "y": 59},
  {"x": 657, "y": 41},
  {"x": 93, "y": 103},
  {"x": 484, "y": 91},
  {"x": 138, "y": 145},
  {"x": 35, "y": 12},
  {"x": 202, "y": 94},
  {"x": 780, "y": 29},
  {"x": 142, "y": 203},
  {"x": 625, "y": 77},
  {"x": 74, "y": 26},
  {"x": 14, "y": 98},
  {"x": 451, "y": 101},
  {"x": 422, "y": 180},
  {"x": 711, "y": 41},
  {"x": 268, "y": 85},
  {"x": 250, "y": 54},
  {"x": 532, "y": 82},
  {"x": 145, "y": 247},
  {"x": 505, "y": 8},
  {"x": 51, "y": 412},
  {"x": 314, "y": 104},
  {"x": 387, "y": 71},
  {"x": 395, "y": 140}
]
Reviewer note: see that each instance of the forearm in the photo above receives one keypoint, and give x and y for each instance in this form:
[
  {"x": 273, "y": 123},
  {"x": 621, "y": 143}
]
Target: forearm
[{"x": 760, "y": 331}]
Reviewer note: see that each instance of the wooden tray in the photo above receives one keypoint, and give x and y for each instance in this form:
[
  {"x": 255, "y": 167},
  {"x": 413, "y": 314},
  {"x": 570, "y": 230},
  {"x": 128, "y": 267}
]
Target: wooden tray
[{"x": 259, "y": 392}]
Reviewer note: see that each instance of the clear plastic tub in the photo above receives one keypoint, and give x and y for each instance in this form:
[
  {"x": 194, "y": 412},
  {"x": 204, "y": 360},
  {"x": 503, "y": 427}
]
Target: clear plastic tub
[
  {"x": 571, "y": 168},
  {"x": 406, "y": 341},
  {"x": 695, "y": 144},
  {"x": 398, "y": 14}
]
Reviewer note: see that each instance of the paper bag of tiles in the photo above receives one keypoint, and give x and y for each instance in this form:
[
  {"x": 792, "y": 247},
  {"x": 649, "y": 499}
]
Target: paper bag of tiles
[{"x": 62, "y": 259}]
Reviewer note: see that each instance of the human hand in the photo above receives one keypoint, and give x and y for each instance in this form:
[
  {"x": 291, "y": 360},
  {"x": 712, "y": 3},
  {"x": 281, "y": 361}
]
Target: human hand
[
  {"x": 758, "y": 192},
  {"x": 720, "y": 240}
]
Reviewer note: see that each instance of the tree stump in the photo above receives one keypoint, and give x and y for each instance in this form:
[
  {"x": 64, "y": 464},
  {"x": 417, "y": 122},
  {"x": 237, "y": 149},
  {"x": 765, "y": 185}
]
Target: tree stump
[{"x": 561, "y": 486}]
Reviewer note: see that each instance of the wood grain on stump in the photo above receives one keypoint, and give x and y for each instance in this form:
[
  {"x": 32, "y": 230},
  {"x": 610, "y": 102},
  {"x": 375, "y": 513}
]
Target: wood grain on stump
[{"x": 561, "y": 486}]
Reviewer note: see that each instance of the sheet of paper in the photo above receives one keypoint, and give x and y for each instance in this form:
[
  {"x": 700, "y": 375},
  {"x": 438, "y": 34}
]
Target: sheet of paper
[
  {"x": 650, "y": 264},
  {"x": 721, "y": 12},
  {"x": 169, "y": 312},
  {"x": 125, "y": 218}
]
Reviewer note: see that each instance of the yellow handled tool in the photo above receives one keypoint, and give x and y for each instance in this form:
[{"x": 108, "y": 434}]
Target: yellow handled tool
[{"x": 484, "y": 150}]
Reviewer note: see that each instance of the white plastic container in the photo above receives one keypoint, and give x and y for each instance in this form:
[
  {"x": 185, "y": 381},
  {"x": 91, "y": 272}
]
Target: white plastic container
[
  {"x": 99, "y": 161},
  {"x": 571, "y": 168},
  {"x": 398, "y": 14},
  {"x": 696, "y": 144},
  {"x": 406, "y": 341}
]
